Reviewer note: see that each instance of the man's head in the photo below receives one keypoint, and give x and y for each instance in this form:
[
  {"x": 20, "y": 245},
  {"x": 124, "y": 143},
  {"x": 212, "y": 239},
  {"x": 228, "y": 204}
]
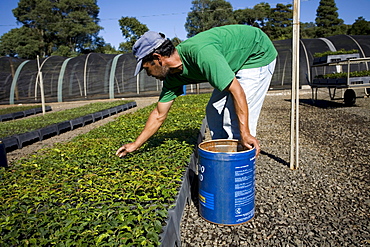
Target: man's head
[{"x": 148, "y": 50}]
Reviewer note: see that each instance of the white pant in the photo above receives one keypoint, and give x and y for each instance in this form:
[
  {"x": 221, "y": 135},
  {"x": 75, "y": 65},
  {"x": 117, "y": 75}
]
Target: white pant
[{"x": 220, "y": 113}]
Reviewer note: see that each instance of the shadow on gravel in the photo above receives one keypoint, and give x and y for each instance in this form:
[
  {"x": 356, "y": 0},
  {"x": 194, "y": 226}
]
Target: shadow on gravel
[
  {"x": 320, "y": 103},
  {"x": 277, "y": 159},
  {"x": 194, "y": 189}
]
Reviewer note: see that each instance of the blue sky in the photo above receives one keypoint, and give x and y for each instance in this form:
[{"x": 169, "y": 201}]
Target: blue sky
[{"x": 169, "y": 16}]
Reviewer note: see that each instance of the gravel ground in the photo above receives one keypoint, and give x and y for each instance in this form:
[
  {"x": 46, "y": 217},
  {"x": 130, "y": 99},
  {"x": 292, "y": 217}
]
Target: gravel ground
[{"x": 325, "y": 202}]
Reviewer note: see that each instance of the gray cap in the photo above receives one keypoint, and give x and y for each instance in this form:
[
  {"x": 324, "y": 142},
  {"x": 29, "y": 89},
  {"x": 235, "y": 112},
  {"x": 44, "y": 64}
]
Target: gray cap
[{"x": 144, "y": 46}]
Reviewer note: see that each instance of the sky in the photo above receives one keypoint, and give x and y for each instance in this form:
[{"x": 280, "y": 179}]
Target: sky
[{"x": 169, "y": 16}]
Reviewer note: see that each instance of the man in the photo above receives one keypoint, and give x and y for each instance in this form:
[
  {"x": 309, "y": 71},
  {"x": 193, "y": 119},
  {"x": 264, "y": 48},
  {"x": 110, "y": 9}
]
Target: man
[{"x": 237, "y": 60}]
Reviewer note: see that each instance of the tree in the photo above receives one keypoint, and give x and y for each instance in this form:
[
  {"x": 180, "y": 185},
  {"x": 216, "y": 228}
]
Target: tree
[
  {"x": 21, "y": 42},
  {"x": 107, "y": 49},
  {"x": 308, "y": 30},
  {"x": 132, "y": 30},
  {"x": 246, "y": 16},
  {"x": 360, "y": 27},
  {"x": 36, "y": 18},
  {"x": 175, "y": 41},
  {"x": 71, "y": 26},
  {"x": 327, "y": 20},
  {"x": 206, "y": 14},
  {"x": 77, "y": 24},
  {"x": 263, "y": 12},
  {"x": 280, "y": 20}
]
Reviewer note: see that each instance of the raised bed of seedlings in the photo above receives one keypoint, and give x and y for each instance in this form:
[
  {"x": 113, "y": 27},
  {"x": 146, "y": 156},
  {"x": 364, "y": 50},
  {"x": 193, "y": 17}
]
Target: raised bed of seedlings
[
  {"x": 81, "y": 194},
  {"x": 355, "y": 78},
  {"x": 16, "y": 134},
  {"x": 16, "y": 112},
  {"x": 335, "y": 56}
]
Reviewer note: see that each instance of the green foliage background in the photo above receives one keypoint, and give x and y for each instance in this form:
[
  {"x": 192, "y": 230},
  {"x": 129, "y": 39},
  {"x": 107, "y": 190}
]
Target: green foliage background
[{"x": 81, "y": 194}]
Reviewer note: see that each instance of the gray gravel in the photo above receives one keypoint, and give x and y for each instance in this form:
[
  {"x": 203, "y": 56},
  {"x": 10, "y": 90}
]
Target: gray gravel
[{"x": 325, "y": 202}]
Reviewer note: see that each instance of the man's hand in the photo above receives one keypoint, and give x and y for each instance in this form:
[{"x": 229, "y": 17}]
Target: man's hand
[
  {"x": 125, "y": 149},
  {"x": 251, "y": 142},
  {"x": 154, "y": 122}
]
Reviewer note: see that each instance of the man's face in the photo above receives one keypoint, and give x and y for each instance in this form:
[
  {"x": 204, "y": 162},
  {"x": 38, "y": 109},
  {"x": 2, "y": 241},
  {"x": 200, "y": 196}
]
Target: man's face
[{"x": 156, "y": 70}]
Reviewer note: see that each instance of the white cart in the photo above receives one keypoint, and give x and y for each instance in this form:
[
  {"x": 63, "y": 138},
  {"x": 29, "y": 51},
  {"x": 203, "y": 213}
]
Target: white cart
[{"x": 349, "y": 83}]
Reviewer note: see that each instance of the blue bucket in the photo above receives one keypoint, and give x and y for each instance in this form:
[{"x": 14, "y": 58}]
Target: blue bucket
[{"x": 226, "y": 182}]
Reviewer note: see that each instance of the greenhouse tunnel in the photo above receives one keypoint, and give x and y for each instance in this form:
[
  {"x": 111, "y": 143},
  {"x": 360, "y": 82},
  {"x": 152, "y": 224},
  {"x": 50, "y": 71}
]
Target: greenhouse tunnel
[{"x": 102, "y": 76}]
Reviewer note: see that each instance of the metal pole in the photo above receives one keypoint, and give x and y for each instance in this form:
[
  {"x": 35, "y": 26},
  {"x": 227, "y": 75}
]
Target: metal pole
[
  {"x": 13, "y": 74},
  {"x": 85, "y": 75},
  {"x": 41, "y": 86},
  {"x": 294, "y": 128},
  {"x": 292, "y": 120}
]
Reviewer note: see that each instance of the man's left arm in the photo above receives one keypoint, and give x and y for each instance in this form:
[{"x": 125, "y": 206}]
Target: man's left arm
[{"x": 241, "y": 109}]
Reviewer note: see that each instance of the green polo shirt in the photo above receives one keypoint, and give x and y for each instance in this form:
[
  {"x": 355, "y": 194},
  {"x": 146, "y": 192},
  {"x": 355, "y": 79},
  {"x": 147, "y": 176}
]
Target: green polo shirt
[{"x": 216, "y": 55}]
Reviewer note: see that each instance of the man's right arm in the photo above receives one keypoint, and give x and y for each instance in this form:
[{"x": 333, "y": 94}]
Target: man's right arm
[{"x": 154, "y": 122}]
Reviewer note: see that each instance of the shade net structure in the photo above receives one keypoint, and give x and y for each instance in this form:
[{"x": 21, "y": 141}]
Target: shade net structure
[
  {"x": 91, "y": 76},
  {"x": 103, "y": 76}
]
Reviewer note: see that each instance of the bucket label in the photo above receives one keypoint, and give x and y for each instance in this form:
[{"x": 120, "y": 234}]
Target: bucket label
[
  {"x": 207, "y": 199},
  {"x": 244, "y": 186},
  {"x": 245, "y": 217}
]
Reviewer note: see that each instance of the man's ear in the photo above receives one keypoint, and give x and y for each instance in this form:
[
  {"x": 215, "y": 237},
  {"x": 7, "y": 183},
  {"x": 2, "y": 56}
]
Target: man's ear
[{"x": 157, "y": 56}]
